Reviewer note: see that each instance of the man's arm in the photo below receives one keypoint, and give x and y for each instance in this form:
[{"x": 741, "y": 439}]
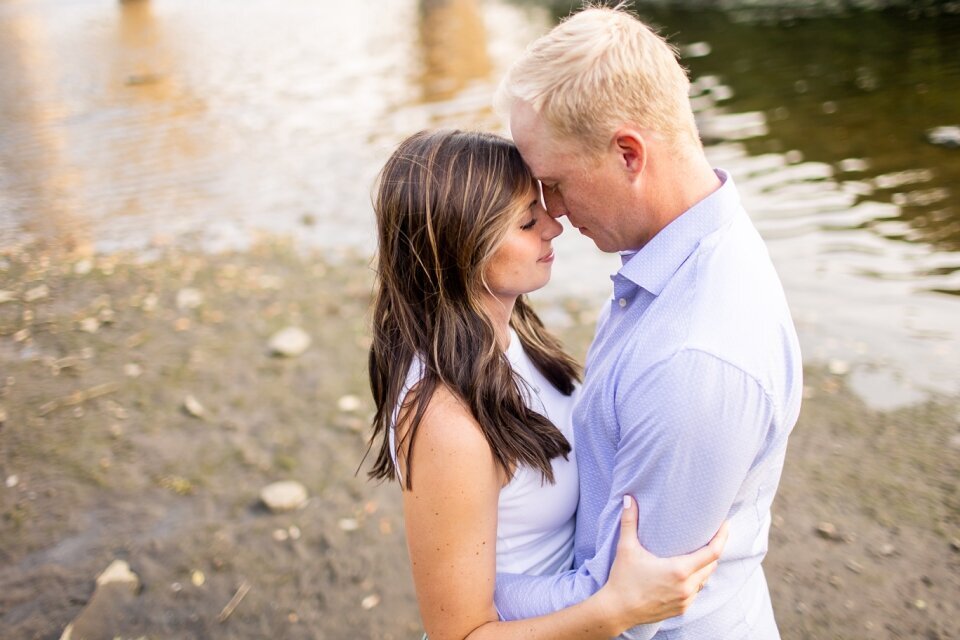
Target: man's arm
[{"x": 690, "y": 429}]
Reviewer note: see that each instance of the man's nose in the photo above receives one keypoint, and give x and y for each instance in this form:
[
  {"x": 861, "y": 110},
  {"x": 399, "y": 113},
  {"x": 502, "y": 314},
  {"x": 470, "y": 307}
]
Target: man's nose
[{"x": 554, "y": 203}]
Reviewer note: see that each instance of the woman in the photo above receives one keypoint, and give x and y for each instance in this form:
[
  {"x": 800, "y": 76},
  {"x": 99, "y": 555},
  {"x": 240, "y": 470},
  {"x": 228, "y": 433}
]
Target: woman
[{"x": 473, "y": 399}]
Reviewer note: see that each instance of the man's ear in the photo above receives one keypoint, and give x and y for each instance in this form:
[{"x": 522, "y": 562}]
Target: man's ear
[{"x": 632, "y": 149}]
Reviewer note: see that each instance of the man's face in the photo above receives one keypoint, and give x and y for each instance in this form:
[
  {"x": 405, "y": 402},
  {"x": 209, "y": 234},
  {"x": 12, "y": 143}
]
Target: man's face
[{"x": 589, "y": 190}]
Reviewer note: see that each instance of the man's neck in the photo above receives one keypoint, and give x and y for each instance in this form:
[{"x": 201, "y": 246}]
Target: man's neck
[{"x": 678, "y": 184}]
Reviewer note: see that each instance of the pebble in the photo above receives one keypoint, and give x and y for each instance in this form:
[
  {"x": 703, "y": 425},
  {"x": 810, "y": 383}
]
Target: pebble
[
  {"x": 281, "y": 535},
  {"x": 197, "y": 578},
  {"x": 886, "y": 550},
  {"x": 284, "y": 496},
  {"x": 83, "y": 267},
  {"x": 836, "y": 581},
  {"x": 3, "y": 415},
  {"x": 193, "y": 407},
  {"x": 370, "y": 601},
  {"x": 854, "y": 566},
  {"x": 189, "y": 298},
  {"x": 294, "y": 532},
  {"x": 7, "y": 296},
  {"x": 13, "y": 481},
  {"x": 828, "y": 531},
  {"x": 89, "y": 325},
  {"x": 348, "y": 403},
  {"x": 920, "y": 604},
  {"x": 289, "y": 342},
  {"x": 954, "y": 543},
  {"x": 839, "y": 367},
  {"x": 37, "y": 293},
  {"x": 348, "y": 524},
  {"x": 132, "y": 370},
  {"x": 118, "y": 571},
  {"x": 150, "y": 302}
]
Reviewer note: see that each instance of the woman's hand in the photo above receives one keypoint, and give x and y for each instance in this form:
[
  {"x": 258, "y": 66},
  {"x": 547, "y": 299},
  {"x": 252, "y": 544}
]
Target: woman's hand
[{"x": 643, "y": 588}]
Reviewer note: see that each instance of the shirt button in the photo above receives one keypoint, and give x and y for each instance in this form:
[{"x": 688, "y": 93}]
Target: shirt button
[{"x": 623, "y": 302}]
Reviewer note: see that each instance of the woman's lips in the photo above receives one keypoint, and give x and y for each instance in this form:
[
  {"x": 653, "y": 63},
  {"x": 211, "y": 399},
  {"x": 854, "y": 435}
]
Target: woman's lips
[{"x": 547, "y": 258}]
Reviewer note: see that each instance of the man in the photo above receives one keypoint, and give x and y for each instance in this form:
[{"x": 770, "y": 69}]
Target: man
[{"x": 693, "y": 381}]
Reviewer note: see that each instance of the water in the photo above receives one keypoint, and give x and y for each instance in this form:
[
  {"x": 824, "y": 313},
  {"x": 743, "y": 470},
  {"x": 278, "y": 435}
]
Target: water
[{"x": 125, "y": 124}]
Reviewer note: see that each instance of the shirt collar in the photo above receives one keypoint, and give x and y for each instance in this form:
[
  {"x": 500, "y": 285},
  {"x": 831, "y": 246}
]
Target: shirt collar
[{"x": 652, "y": 266}]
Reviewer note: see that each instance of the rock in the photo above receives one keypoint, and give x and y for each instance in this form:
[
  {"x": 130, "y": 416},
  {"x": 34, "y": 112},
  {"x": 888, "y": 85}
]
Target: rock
[
  {"x": 294, "y": 532},
  {"x": 13, "y": 481},
  {"x": 836, "y": 581},
  {"x": 7, "y": 296},
  {"x": 348, "y": 403},
  {"x": 839, "y": 367},
  {"x": 118, "y": 571},
  {"x": 189, "y": 298},
  {"x": 281, "y": 535},
  {"x": 919, "y": 604},
  {"x": 197, "y": 578},
  {"x": 284, "y": 496},
  {"x": 828, "y": 531},
  {"x": 289, "y": 342},
  {"x": 193, "y": 407},
  {"x": 954, "y": 543},
  {"x": 132, "y": 370},
  {"x": 945, "y": 136},
  {"x": 89, "y": 325},
  {"x": 854, "y": 566},
  {"x": 104, "y": 616},
  {"x": 348, "y": 524},
  {"x": 83, "y": 267},
  {"x": 370, "y": 601},
  {"x": 36, "y": 293},
  {"x": 886, "y": 550},
  {"x": 3, "y": 415},
  {"x": 150, "y": 302}
]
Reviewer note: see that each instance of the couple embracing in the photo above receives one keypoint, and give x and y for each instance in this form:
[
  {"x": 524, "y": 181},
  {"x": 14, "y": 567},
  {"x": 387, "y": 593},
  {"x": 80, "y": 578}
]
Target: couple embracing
[{"x": 635, "y": 502}]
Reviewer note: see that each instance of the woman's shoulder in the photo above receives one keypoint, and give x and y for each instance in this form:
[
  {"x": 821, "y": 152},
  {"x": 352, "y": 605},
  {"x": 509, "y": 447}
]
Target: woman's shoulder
[{"x": 447, "y": 432}]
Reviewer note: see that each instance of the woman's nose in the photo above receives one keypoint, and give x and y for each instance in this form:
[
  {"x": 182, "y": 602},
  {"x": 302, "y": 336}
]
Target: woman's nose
[{"x": 552, "y": 228}]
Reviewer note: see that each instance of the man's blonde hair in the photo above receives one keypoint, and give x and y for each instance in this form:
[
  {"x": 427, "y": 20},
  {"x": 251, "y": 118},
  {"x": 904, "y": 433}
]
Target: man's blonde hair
[{"x": 599, "y": 69}]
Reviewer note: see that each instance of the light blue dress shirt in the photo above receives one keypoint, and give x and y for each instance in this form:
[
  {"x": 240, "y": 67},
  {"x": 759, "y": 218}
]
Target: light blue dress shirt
[{"x": 693, "y": 383}]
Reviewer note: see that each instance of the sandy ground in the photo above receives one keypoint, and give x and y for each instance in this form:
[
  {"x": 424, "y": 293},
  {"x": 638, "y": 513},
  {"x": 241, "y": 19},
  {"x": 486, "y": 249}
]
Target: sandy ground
[{"x": 100, "y": 460}]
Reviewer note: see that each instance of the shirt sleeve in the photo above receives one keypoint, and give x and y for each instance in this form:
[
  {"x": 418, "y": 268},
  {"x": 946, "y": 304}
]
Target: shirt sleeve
[{"x": 690, "y": 429}]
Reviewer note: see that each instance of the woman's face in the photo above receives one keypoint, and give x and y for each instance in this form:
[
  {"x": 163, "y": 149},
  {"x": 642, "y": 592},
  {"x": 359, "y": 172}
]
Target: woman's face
[{"x": 522, "y": 262}]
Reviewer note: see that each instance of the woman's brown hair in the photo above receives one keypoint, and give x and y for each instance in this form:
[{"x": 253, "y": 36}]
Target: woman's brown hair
[{"x": 443, "y": 204}]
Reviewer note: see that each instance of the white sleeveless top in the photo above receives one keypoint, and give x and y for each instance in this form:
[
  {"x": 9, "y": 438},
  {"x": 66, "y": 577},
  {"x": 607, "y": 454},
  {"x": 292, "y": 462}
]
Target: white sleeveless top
[{"x": 535, "y": 519}]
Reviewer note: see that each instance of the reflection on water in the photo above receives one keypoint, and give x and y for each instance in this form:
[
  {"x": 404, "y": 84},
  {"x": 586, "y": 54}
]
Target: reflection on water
[
  {"x": 454, "y": 42},
  {"x": 124, "y": 122}
]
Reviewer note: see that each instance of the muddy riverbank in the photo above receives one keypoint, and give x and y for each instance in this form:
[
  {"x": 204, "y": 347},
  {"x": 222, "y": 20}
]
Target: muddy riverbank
[{"x": 103, "y": 457}]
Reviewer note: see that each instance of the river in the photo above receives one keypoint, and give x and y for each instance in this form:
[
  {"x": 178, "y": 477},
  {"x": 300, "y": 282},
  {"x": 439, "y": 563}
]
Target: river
[{"x": 127, "y": 125}]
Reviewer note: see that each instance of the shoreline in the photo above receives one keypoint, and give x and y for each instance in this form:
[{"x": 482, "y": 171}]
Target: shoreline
[{"x": 109, "y": 461}]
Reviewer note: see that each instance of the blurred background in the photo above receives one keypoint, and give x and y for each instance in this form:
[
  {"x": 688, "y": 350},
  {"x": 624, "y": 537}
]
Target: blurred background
[{"x": 180, "y": 180}]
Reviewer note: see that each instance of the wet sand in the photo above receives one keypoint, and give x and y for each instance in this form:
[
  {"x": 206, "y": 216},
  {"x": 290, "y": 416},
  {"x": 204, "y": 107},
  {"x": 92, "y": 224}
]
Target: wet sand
[{"x": 101, "y": 460}]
